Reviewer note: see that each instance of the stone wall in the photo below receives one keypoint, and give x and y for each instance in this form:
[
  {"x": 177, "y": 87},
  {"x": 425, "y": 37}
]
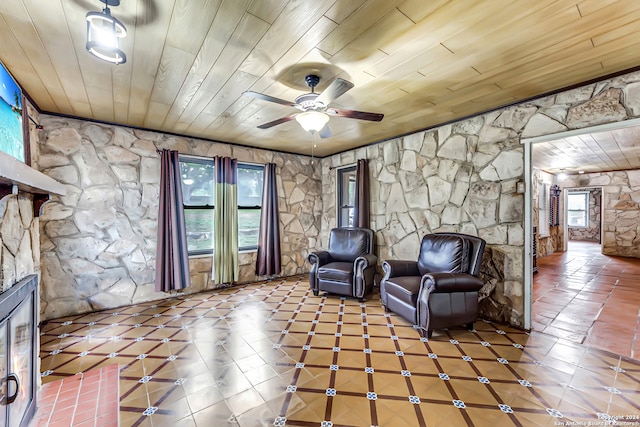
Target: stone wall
[
  {"x": 99, "y": 241},
  {"x": 621, "y": 209},
  {"x": 590, "y": 233},
  {"x": 461, "y": 177},
  {"x": 19, "y": 239}
]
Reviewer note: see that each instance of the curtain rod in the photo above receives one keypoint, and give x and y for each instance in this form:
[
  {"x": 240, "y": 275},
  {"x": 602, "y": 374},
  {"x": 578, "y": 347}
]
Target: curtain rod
[
  {"x": 343, "y": 166},
  {"x": 194, "y": 156}
]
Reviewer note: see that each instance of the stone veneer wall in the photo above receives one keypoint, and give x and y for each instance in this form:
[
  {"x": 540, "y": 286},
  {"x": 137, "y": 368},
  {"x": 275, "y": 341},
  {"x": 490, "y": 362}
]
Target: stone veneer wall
[
  {"x": 461, "y": 177},
  {"x": 590, "y": 233},
  {"x": 99, "y": 241},
  {"x": 19, "y": 239},
  {"x": 621, "y": 209}
]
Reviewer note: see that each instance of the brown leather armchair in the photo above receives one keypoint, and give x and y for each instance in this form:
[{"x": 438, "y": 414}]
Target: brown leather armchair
[
  {"x": 440, "y": 289},
  {"x": 348, "y": 266}
]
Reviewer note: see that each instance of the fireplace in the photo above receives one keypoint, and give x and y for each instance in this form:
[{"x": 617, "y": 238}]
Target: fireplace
[{"x": 18, "y": 352}]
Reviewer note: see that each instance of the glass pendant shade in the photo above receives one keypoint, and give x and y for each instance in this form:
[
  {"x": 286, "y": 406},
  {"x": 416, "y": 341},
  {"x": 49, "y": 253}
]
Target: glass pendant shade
[
  {"x": 312, "y": 121},
  {"x": 103, "y": 36}
]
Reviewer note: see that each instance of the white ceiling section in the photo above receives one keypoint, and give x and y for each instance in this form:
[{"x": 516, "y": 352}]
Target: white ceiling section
[
  {"x": 419, "y": 63},
  {"x": 597, "y": 151}
]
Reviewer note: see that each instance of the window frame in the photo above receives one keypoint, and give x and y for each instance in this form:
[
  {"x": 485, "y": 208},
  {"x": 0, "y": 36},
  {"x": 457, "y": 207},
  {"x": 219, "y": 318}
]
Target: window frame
[
  {"x": 210, "y": 161},
  {"x": 206, "y": 161},
  {"x": 341, "y": 192},
  {"x": 586, "y": 195},
  {"x": 252, "y": 166}
]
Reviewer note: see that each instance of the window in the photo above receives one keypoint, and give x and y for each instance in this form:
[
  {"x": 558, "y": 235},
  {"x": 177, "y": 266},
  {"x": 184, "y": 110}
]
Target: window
[
  {"x": 198, "y": 191},
  {"x": 543, "y": 209},
  {"x": 198, "y": 197},
  {"x": 346, "y": 196},
  {"x": 578, "y": 209},
  {"x": 250, "y": 178}
]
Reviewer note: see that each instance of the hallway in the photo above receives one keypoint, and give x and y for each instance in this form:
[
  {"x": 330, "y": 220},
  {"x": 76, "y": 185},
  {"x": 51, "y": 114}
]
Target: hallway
[{"x": 590, "y": 298}]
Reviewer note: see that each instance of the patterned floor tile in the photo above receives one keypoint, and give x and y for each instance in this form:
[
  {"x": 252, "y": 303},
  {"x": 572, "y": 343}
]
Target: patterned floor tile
[{"x": 272, "y": 354}]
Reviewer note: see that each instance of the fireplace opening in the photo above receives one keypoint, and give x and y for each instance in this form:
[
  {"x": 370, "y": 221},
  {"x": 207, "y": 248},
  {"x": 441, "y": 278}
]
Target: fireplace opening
[{"x": 18, "y": 352}]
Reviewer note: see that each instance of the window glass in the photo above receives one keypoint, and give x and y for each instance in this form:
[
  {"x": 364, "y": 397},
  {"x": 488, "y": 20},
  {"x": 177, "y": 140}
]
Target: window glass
[
  {"x": 197, "y": 182},
  {"x": 577, "y": 209},
  {"x": 346, "y": 196},
  {"x": 250, "y": 181},
  {"x": 198, "y": 191},
  {"x": 198, "y": 197},
  {"x": 199, "y": 223}
]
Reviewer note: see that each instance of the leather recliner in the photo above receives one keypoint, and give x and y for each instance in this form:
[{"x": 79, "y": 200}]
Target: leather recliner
[
  {"x": 440, "y": 289},
  {"x": 348, "y": 266}
]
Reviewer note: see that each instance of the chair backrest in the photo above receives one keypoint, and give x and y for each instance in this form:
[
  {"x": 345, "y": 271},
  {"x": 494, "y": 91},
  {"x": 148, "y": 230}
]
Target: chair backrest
[
  {"x": 451, "y": 252},
  {"x": 348, "y": 243}
]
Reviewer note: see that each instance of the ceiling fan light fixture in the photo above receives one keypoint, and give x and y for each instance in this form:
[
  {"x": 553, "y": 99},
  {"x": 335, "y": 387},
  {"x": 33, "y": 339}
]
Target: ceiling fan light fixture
[
  {"x": 312, "y": 121},
  {"x": 104, "y": 33}
]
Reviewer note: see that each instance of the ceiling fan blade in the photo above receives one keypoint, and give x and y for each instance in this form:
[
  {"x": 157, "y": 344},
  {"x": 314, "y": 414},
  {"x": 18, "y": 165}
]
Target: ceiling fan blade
[
  {"x": 264, "y": 97},
  {"x": 337, "y": 88},
  {"x": 325, "y": 132},
  {"x": 352, "y": 114},
  {"x": 277, "y": 122}
]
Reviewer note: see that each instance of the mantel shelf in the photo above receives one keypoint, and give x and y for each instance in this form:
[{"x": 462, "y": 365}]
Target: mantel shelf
[{"x": 27, "y": 179}]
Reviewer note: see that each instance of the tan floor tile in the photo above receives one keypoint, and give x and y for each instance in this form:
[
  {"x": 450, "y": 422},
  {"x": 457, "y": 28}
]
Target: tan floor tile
[
  {"x": 352, "y": 381},
  {"x": 313, "y": 412},
  {"x": 214, "y": 415},
  {"x": 390, "y": 384},
  {"x": 351, "y": 410},
  {"x": 203, "y": 398},
  {"x": 244, "y": 401},
  {"x": 273, "y": 388}
]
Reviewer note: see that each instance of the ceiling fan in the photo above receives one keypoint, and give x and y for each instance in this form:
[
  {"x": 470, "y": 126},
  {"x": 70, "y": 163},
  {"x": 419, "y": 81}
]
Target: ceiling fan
[{"x": 315, "y": 107}]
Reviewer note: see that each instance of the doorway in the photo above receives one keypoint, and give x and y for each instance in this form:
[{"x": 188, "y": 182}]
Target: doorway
[
  {"x": 588, "y": 298},
  {"x": 579, "y": 289}
]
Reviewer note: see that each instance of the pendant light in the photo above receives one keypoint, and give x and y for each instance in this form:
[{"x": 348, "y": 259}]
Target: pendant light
[{"x": 104, "y": 33}]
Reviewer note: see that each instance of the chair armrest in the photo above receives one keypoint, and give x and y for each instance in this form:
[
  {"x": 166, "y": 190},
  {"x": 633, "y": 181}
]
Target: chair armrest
[
  {"x": 319, "y": 257},
  {"x": 451, "y": 282},
  {"x": 395, "y": 268},
  {"x": 365, "y": 261}
]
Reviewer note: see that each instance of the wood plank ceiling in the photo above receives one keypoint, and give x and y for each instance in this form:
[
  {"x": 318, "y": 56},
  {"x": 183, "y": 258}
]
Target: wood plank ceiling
[
  {"x": 420, "y": 63},
  {"x": 611, "y": 150}
]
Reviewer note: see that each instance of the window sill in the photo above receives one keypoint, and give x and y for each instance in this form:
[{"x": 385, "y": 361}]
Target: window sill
[{"x": 210, "y": 255}]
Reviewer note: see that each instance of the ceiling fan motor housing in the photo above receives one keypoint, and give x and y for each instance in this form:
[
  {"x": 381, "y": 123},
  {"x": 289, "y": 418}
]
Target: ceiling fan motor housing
[{"x": 308, "y": 102}]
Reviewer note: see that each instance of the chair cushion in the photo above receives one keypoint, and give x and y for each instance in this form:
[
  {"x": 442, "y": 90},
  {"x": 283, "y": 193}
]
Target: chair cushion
[
  {"x": 337, "y": 272},
  {"x": 404, "y": 288},
  {"x": 443, "y": 253},
  {"x": 347, "y": 244}
]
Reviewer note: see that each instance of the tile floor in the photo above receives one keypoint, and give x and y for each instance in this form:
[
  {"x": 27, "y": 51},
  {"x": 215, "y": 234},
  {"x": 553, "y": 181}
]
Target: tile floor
[
  {"x": 272, "y": 354},
  {"x": 87, "y": 399},
  {"x": 586, "y": 297}
]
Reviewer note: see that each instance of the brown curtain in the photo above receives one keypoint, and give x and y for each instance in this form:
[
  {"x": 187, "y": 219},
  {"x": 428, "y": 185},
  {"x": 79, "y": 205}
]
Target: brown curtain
[
  {"x": 361, "y": 210},
  {"x": 225, "y": 222},
  {"x": 268, "y": 263},
  {"x": 172, "y": 257}
]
